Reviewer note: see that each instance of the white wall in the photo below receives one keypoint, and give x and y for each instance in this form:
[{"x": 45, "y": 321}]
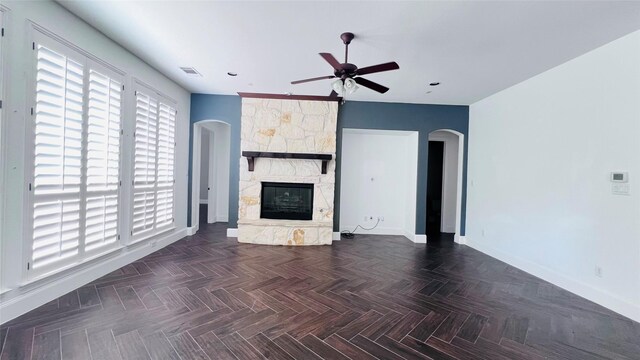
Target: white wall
[
  {"x": 204, "y": 166},
  {"x": 17, "y": 297},
  {"x": 449, "y": 178},
  {"x": 379, "y": 177},
  {"x": 540, "y": 155}
]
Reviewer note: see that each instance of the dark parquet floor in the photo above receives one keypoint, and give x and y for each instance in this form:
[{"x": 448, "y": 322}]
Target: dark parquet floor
[{"x": 373, "y": 297}]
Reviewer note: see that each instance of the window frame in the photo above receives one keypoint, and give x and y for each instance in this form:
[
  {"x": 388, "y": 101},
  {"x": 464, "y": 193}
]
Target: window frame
[{"x": 89, "y": 62}]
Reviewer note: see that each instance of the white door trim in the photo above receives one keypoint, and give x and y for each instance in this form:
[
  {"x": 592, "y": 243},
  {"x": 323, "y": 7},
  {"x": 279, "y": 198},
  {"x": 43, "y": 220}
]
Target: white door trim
[
  {"x": 457, "y": 237},
  {"x": 196, "y": 151},
  {"x": 195, "y": 177},
  {"x": 212, "y": 202}
]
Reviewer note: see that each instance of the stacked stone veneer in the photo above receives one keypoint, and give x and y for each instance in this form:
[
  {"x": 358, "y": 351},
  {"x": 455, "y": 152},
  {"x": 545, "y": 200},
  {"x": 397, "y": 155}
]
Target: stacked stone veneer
[{"x": 296, "y": 126}]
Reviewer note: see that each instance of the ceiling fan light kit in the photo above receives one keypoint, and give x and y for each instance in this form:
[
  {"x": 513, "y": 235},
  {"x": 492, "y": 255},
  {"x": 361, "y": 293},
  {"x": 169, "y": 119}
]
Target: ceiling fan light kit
[
  {"x": 338, "y": 87},
  {"x": 350, "y": 85},
  {"x": 349, "y": 75},
  {"x": 344, "y": 87}
]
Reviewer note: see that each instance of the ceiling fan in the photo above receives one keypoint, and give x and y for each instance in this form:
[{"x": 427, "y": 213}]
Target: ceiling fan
[{"x": 349, "y": 74}]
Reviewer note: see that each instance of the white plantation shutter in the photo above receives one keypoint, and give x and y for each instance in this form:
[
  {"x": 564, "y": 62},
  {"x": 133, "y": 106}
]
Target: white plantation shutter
[
  {"x": 76, "y": 150},
  {"x": 154, "y": 162},
  {"x": 57, "y": 159},
  {"x": 166, "y": 153},
  {"x": 146, "y": 140},
  {"x": 103, "y": 160},
  {"x": 143, "y": 213},
  {"x": 144, "y": 171}
]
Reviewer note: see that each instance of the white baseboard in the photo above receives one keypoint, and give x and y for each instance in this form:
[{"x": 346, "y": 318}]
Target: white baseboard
[
  {"x": 232, "y": 233},
  {"x": 336, "y": 236},
  {"x": 192, "y": 230},
  {"x": 218, "y": 219},
  {"x": 420, "y": 239},
  {"x": 462, "y": 240},
  {"x": 602, "y": 297},
  {"x": 416, "y": 238},
  {"x": 376, "y": 231},
  {"x": 21, "y": 300}
]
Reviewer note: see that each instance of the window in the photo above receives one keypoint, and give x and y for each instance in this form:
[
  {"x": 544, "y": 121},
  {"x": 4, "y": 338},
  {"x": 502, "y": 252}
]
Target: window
[
  {"x": 76, "y": 139},
  {"x": 153, "y": 169}
]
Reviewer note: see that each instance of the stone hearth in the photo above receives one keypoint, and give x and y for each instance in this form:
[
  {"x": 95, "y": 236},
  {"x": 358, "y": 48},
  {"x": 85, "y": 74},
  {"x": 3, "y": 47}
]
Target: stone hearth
[{"x": 288, "y": 126}]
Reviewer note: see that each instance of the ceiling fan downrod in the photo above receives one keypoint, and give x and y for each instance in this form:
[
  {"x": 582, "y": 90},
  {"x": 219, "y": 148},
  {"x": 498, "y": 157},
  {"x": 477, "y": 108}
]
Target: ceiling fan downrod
[{"x": 346, "y": 39}]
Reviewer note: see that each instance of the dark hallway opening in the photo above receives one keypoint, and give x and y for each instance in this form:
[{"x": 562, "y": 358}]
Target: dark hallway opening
[
  {"x": 434, "y": 187},
  {"x": 203, "y": 214}
]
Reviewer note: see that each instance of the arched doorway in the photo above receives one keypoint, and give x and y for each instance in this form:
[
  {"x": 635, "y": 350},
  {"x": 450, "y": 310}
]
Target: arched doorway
[
  {"x": 444, "y": 209},
  {"x": 210, "y": 172}
]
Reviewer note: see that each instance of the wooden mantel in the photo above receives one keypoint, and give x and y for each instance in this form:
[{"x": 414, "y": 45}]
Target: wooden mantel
[
  {"x": 252, "y": 155},
  {"x": 290, "y": 97}
]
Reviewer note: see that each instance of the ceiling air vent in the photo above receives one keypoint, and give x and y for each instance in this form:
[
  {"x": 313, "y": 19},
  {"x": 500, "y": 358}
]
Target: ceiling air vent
[{"x": 190, "y": 71}]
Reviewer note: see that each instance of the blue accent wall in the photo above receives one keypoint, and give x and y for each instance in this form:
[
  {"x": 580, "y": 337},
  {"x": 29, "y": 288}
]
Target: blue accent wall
[
  {"x": 409, "y": 117},
  {"x": 352, "y": 115},
  {"x": 226, "y": 108}
]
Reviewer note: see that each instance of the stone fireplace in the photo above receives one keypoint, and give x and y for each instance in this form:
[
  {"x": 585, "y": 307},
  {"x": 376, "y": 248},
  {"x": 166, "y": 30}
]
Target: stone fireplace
[{"x": 286, "y": 194}]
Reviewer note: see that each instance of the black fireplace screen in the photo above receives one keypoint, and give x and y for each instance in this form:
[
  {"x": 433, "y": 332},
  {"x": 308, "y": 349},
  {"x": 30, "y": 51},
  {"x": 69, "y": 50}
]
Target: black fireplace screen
[{"x": 286, "y": 201}]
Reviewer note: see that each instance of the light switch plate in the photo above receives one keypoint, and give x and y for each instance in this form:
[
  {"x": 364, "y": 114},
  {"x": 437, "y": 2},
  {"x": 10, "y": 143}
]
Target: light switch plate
[{"x": 620, "y": 188}]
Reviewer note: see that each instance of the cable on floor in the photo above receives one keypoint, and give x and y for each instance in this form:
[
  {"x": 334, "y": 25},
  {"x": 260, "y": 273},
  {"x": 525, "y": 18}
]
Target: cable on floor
[{"x": 350, "y": 234}]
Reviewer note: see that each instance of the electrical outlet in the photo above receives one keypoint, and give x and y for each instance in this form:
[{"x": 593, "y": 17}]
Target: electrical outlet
[
  {"x": 482, "y": 232},
  {"x": 598, "y": 271},
  {"x": 366, "y": 218}
]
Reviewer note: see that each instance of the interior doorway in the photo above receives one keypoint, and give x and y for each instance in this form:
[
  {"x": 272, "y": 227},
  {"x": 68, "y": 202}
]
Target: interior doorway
[
  {"x": 207, "y": 178},
  {"x": 210, "y": 173},
  {"x": 444, "y": 185},
  {"x": 434, "y": 187}
]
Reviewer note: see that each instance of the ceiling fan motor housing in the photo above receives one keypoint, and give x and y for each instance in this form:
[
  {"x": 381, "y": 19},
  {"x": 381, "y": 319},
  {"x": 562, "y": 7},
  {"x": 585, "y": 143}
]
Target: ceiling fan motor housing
[{"x": 346, "y": 70}]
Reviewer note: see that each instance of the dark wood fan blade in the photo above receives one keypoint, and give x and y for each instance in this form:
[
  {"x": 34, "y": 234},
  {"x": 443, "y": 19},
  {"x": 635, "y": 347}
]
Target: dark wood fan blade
[
  {"x": 333, "y": 94},
  {"x": 313, "y": 79},
  {"x": 331, "y": 60},
  {"x": 371, "y": 85},
  {"x": 378, "y": 68}
]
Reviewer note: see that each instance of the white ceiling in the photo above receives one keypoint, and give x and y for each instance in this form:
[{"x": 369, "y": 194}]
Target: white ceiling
[{"x": 474, "y": 49}]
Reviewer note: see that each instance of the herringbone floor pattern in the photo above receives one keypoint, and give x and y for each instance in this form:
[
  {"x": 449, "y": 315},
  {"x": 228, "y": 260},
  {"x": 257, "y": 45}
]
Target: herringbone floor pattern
[{"x": 208, "y": 297}]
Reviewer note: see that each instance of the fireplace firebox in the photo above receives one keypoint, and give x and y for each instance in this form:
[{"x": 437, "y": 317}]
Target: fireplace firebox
[{"x": 291, "y": 201}]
